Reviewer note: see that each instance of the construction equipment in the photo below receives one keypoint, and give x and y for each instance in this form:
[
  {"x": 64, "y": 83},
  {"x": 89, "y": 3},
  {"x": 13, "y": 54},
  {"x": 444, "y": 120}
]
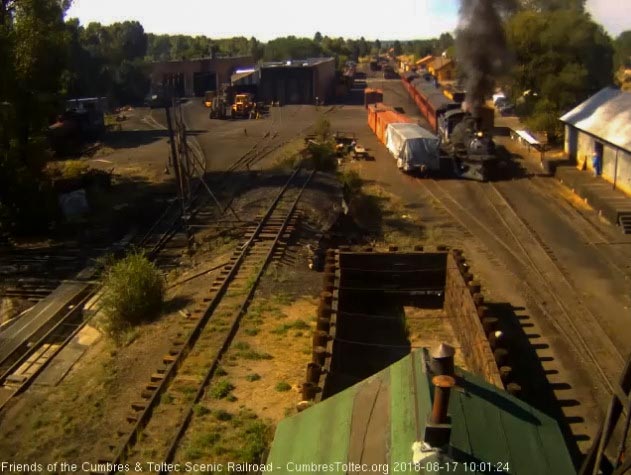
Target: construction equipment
[
  {"x": 242, "y": 106},
  {"x": 208, "y": 98},
  {"x": 219, "y": 108}
]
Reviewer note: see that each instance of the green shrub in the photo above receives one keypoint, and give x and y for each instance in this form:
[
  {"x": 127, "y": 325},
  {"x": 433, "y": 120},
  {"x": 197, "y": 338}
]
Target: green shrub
[
  {"x": 73, "y": 169},
  {"x": 133, "y": 293},
  {"x": 253, "y": 377},
  {"x": 323, "y": 128},
  {"x": 222, "y": 389},
  {"x": 256, "y": 437},
  {"x": 296, "y": 325},
  {"x": 351, "y": 182},
  {"x": 545, "y": 118},
  {"x": 322, "y": 156},
  {"x": 200, "y": 410},
  {"x": 254, "y": 355},
  {"x": 222, "y": 415},
  {"x": 282, "y": 386}
]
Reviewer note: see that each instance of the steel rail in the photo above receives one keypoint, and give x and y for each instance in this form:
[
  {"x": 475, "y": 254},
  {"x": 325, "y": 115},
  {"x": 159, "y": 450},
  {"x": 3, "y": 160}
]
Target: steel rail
[
  {"x": 614, "y": 388},
  {"x": 529, "y": 264},
  {"x": 24, "y": 385},
  {"x": 233, "y": 331},
  {"x": 144, "y": 415}
]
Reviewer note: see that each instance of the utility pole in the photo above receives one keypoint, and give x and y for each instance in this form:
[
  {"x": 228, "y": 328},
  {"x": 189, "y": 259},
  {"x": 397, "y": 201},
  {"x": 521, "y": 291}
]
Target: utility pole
[{"x": 176, "y": 161}]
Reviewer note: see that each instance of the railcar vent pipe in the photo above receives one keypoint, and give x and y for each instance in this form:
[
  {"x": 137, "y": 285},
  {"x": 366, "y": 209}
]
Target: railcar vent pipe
[
  {"x": 442, "y": 360},
  {"x": 442, "y": 390},
  {"x": 438, "y": 428}
]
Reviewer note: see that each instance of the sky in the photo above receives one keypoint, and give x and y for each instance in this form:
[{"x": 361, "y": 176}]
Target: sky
[{"x": 391, "y": 19}]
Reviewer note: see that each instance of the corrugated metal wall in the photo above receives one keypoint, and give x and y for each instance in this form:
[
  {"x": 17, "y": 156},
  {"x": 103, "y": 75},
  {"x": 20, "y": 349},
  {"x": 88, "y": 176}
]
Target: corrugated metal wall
[
  {"x": 298, "y": 84},
  {"x": 584, "y": 150},
  {"x": 623, "y": 176},
  {"x": 616, "y": 165},
  {"x": 287, "y": 85}
]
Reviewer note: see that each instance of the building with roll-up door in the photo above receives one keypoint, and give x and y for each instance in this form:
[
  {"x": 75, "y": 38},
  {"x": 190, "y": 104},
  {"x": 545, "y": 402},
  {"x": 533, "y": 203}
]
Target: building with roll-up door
[
  {"x": 298, "y": 81},
  {"x": 602, "y": 125},
  {"x": 193, "y": 77}
]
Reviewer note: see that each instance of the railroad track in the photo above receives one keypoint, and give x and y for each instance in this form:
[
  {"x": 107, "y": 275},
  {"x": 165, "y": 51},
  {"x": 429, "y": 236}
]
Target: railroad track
[
  {"x": 23, "y": 264},
  {"x": 159, "y": 419},
  {"x": 592, "y": 236},
  {"x": 163, "y": 243},
  {"x": 543, "y": 277},
  {"x": 169, "y": 224}
]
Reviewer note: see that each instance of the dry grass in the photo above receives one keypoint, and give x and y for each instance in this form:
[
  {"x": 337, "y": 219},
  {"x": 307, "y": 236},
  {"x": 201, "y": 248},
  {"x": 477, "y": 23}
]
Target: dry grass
[
  {"x": 263, "y": 390},
  {"x": 429, "y": 328}
]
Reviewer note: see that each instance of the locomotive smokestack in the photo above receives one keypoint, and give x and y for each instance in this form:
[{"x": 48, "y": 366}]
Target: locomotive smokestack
[{"x": 481, "y": 47}]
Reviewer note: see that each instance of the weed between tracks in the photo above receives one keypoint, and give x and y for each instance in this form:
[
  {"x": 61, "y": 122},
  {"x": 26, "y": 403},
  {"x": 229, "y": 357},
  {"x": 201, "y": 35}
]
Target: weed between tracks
[
  {"x": 240, "y": 436},
  {"x": 259, "y": 381}
]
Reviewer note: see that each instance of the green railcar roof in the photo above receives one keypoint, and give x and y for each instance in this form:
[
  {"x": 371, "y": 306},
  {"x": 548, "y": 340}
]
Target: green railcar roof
[{"x": 376, "y": 423}]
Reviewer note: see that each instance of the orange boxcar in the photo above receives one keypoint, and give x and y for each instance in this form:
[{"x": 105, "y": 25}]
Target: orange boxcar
[{"x": 373, "y": 111}]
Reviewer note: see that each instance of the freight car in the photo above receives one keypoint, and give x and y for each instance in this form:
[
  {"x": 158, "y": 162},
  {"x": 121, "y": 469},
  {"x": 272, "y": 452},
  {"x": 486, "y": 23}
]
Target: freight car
[{"x": 414, "y": 148}]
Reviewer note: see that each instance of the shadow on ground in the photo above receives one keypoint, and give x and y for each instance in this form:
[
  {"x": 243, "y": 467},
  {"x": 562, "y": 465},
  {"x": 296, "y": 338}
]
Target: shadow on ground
[
  {"x": 138, "y": 138},
  {"x": 530, "y": 374}
]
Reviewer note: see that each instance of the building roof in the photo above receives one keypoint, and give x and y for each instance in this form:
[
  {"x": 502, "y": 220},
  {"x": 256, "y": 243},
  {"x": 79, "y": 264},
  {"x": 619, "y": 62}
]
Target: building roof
[
  {"x": 606, "y": 115},
  {"x": 205, "y": 58},
  {"x": 440, "y": 63},
  {"x": 378, "y": 420},
  {"x": 236, "y": 77},
  {"x": 296, "y": 63},
  {"x": 424, "y": 60}
]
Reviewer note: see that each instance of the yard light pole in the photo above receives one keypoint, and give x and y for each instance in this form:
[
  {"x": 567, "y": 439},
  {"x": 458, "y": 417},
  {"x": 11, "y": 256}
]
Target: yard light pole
[{"x": 165, "y": 100}]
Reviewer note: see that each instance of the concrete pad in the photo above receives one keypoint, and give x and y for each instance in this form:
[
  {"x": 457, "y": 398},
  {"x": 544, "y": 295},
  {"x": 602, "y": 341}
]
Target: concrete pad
[{"x": 66, "y": 358}]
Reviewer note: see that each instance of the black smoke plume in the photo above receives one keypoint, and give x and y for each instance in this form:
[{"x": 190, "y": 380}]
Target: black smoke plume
[{"x": 481, "y": 47}]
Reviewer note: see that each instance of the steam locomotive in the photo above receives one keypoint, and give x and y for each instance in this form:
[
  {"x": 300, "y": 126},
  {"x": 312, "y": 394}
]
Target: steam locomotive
[
  {"x": 466, "y": 140},
  {"x": 471, "y": 150}
]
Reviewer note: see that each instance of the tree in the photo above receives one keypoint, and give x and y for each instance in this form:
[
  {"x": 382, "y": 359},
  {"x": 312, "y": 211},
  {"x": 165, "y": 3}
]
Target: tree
[
  {"x": 158, "y": 47},
  {"x": 551, "y": 5},
  {"x": 291, "y": 47},
  {"x": 622, "y": 47},
  {"x": 445, "y": 41},
  {"x": 398, "y": 49},
  {"x": 363, "y": 48},
  {"x": 563, "y": 56},
  {"x": 32, "y": 56},
  {"x": 317, "y": 37}
]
